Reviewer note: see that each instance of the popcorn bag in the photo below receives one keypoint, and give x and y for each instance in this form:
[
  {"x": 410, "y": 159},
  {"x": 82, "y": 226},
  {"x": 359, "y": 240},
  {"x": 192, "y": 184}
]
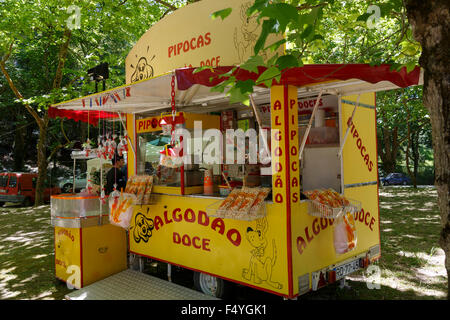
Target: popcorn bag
[
  {"x": 140, "y": 187},
  {"x": 170, "y": 157},
  {"x": 121, "y": 209},
  {"x": 243, "y": 203},
  {"x": 344, "y": 234}
]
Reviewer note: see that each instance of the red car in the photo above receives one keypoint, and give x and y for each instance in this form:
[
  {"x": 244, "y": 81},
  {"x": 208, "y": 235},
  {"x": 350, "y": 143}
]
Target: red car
[{"x": 21, "y": 188}]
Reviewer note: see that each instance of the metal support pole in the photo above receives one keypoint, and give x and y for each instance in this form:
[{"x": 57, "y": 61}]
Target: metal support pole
[
  {"x": 131, "y": 144},
  {"x": 73, "y": 184},
  {"x": 348, "y": 127},
  {"x": 258, "y": 119},
  {"x": 169, "y": 272},
  {"x": 101, "y": 187},
  {"x": 141, "y": 264},
  {"x": 305, "y": 137}
]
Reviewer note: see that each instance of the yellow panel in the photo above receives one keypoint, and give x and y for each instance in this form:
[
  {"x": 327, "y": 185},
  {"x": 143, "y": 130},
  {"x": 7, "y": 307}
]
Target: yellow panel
[
  {"x": 178, "y": 230},
  {"x": 368, "y": 219},
  {"x": 285, "y": 159},
  {"x": 312, "y": 243},
  {"x": 177, "y": 190},
  {"x": 312, "y": 237},
  {"x": 208, "y": 121},
  {"x": 104, "y": 252},
  {"x": 192, "y": 39},
  {"x": 360, "y": 150},
  {"x": 68, "y": 255}
]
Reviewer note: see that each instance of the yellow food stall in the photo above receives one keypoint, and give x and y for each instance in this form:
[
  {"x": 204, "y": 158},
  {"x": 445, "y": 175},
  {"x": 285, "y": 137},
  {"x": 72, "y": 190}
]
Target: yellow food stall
[
  {"x": 296, "y": 215},
  {"x": 87, "y": 247}
]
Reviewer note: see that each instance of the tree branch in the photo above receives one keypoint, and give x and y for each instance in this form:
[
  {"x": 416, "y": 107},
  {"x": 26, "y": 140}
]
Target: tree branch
[
  {"x": 308, "y": 6},
  {"x": 167, "y": 5},
  {"x": 366, "y": 51},
  {"x": 8, "y": 54},
  {"x": 17, "y": 92},
  {"x": 62, "y": 59}
]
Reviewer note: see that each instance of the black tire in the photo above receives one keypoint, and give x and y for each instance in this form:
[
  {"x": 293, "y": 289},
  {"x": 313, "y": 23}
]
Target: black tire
[
  {"x": 2, "y": 203},
  {"x": 212, "y": 286},
  {"x": 67, "y": 188},
  {"x": 404, "y": 183},
  {"x": 27, "y": 202}
]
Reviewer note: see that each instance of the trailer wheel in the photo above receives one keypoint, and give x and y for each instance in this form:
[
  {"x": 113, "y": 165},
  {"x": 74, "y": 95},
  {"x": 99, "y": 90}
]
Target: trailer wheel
[
  {"x": 211, "y": 285},
  {"x": 2, "y": 203}
]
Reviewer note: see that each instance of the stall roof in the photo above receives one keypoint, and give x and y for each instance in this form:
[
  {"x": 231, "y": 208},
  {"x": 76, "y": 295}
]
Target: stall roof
[{"x": 194, "y": 89}]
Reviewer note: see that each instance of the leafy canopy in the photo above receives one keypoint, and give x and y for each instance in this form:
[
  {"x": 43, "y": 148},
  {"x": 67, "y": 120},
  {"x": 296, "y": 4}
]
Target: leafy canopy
[{"x": 318, "y": 31}]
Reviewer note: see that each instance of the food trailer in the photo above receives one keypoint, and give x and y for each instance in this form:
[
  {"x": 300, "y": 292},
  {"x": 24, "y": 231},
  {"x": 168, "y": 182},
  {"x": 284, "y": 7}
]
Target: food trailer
[{"x": 306, "y": 203}]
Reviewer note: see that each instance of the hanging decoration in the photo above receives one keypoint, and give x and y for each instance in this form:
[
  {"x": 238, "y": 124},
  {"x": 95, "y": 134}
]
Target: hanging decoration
[
  {"x": 107, "y": 145},
  {"x": 115, "y": 96},
  {"x": 123, "y": 144},
  {"x": 171, "y": 154},
  {"x": 87, "y": 146}
]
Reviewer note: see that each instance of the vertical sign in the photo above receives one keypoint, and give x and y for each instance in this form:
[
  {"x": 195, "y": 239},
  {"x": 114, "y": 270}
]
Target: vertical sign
[
  {"x": 285, "y": 159},
  {"x": 278, "y": 150}
]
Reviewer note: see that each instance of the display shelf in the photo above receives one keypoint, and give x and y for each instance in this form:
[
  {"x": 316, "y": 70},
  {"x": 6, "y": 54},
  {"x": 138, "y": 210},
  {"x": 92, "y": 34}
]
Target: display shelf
[
  {"x": 212, "y": 211},
  {"x": 317, "y": 209}
]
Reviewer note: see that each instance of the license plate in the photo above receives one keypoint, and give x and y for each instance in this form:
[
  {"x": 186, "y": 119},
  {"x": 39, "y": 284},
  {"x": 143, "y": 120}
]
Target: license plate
[{"x": 347, "y": 268}]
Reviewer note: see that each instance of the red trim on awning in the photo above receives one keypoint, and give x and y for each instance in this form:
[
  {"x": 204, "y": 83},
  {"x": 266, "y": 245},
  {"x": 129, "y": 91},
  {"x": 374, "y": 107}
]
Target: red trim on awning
[
  {"x": 308, "y": 74},
  {"x": 81, "y": 115}
]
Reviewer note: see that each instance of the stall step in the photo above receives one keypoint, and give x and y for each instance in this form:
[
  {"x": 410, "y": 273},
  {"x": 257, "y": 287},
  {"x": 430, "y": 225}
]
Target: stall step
[{"x": 134, "y": 285}]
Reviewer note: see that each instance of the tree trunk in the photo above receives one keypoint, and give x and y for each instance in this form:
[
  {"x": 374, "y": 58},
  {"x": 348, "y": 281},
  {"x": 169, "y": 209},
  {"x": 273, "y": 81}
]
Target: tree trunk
[
  {"x": 415, "y": 155},
  {"x": 42, "y": 162},
  {"x": 408, "y": 146},
  {"x": 390, "y": 149},
  {"x": 430, "y": 21},
  {"x": 19, "y": 144}
]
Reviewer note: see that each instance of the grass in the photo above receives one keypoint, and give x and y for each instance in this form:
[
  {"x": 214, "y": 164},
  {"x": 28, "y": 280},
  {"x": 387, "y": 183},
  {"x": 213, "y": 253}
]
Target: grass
[
  {"x": 412, "y": 264},
  {"x": 27, "y": 260}
]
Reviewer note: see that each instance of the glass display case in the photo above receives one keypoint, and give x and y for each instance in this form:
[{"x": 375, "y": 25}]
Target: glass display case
[{"x": 154, "y": 142}]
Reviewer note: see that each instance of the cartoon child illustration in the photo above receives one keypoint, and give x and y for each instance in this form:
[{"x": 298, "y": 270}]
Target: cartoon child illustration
[{"x": 246, "y": 37}]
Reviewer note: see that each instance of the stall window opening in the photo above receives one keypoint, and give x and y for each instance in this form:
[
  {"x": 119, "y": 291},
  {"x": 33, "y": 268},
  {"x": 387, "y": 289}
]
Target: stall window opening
[
  {"x": 149, "y": 147},
  {"x": 13, "y": 182},
  {"x": 3, "y": 181}
]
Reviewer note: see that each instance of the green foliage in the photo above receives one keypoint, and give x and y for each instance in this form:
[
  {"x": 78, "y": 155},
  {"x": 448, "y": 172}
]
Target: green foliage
[
  {"x": 318, "y": 31},
  {"x": 221, "y": 13},
  {"x": 32, "y": 35},
  {"x": 397, "y": 111},
  {"x": 101, "y": 32},
  {"x": 253, "y": 63}
]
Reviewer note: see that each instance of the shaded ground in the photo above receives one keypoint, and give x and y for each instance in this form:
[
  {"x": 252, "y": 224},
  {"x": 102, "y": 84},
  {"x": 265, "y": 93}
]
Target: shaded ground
[
  {"x": 411, "y": 267},
  {"x": 27, "y": 260},
  {"x": 411, "y": 264}
]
